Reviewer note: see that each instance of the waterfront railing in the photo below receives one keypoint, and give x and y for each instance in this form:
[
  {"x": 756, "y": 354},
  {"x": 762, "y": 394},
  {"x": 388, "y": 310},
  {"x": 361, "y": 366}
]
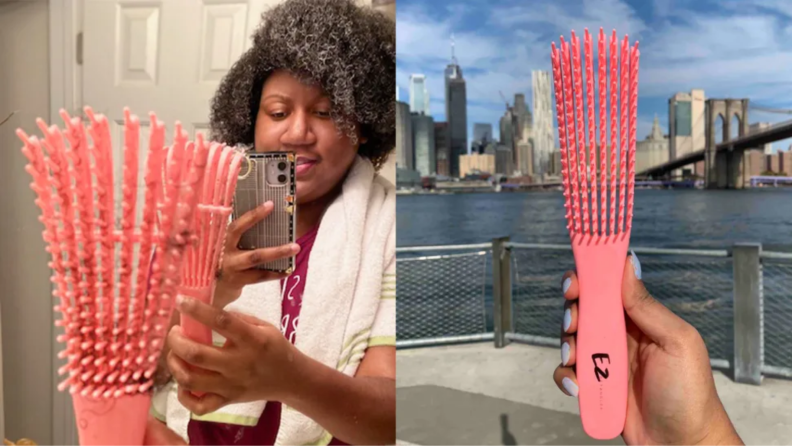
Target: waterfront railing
[{"x": 502, "y": 292}]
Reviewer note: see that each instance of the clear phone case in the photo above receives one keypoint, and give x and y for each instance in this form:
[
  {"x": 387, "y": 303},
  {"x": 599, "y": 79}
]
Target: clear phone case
[{"x": 268, "y": 176}]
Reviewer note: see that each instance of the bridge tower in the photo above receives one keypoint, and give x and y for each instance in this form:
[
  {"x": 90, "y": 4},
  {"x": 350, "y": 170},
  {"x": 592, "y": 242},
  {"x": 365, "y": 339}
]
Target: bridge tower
[{"x": 727, "y": 169}]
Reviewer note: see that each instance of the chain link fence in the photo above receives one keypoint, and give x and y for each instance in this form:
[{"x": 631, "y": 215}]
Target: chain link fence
[
  {"x": 443, "y": 295},
  {"x": 777, "y": 312}
]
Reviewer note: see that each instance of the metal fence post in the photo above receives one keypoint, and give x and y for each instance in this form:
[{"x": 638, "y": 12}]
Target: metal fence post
[
  {"x": 501, "y": 290},
  {"x": 748, "y": 336}
]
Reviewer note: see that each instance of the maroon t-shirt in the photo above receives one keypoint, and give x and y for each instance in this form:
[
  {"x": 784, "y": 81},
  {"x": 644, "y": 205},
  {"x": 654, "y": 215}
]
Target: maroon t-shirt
[{"x": 265, "y": 432}]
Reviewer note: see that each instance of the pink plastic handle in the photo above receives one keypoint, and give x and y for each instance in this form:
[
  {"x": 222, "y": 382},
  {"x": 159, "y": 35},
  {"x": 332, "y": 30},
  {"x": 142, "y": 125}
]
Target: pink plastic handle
[
  {"x": 104, "y": 421},
  {"x": 601, "y": 346}
]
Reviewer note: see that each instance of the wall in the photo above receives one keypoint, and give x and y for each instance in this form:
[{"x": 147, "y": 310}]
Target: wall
[{"x": 25, "y": 302}]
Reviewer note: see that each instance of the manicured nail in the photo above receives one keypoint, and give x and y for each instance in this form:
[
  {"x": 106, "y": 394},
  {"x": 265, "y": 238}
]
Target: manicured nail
[
  {"x": 567, "y": 319},
  {"x": 570, "y": 386},
  {"x": 636, "y": 264},
  {"x": 567, "y": 283},
  {"x": 268, "y": 205},
  {"x": 565, "y": 353},
  {"x": 295, "y": 248}
]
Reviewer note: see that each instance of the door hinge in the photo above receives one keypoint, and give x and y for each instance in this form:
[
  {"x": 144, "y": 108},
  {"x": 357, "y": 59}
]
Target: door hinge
[{"x": 79, "y": 50}]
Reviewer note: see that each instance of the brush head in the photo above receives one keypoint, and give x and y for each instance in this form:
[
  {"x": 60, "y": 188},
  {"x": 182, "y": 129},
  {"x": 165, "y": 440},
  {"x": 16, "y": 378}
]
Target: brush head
[
  {"x": 595, "y": 170},
  {"x": 210, "y": 221},
  {"x": 100, "y": 231}
]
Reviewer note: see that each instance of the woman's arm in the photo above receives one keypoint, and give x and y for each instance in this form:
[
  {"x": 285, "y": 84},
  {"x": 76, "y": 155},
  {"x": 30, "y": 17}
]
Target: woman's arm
[{"x": 356, "y": 410}]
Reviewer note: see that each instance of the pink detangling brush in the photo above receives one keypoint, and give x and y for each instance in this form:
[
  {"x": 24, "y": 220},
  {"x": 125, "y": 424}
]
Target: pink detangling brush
[
  {"x": 600, "y": 234},
  {"x": 210, "y": 222},
  {"x": 114, "y": 322}
]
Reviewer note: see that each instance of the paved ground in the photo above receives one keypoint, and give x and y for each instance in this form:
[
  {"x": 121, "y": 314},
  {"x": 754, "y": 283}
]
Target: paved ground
[{"x": 477, "y": 394}]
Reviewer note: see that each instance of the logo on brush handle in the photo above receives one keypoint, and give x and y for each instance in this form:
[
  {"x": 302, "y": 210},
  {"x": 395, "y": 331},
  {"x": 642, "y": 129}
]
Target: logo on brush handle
[{"x": 598, "y": 372}]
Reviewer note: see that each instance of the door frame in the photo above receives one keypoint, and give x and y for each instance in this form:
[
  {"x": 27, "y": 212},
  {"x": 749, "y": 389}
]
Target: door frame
[{"x": 65, "y": 28}]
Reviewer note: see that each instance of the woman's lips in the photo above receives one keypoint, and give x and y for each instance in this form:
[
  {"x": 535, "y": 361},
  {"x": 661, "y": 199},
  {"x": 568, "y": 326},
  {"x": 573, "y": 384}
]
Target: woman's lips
[{"x": 303, "y": 166}]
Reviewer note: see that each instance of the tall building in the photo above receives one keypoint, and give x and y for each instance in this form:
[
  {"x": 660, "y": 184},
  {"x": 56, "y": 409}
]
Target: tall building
[
  {"x": 442, "y": 149},
  {"x": 653, "y": 150},
  {"x": 507, "y": 129},
  {"x": 419, "y": 94},
  {"x": 504, "y": 160},
  {"x": 456, "y": 112},
  {"x": 542, "y": 132},
  {"x": 405, "y": 157},
  {"x": 482, "y": 138},
  {"x": 424, "y": 144},
  {"x": 686, "y": 126},
  {"x": 523, "y": 141}
]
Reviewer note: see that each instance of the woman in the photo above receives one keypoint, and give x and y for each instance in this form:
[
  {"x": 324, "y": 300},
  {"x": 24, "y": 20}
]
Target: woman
[
  {"x": 671, "y": 394},
  {"x": 308, "y": 358}
]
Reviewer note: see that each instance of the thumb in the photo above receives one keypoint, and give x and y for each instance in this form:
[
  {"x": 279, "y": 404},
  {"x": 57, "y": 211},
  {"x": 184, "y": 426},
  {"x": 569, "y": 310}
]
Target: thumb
[{"x": 650, "y": 316}]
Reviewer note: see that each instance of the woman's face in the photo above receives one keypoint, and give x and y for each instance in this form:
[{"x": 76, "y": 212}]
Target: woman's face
[{"x": 295, "y": 117}]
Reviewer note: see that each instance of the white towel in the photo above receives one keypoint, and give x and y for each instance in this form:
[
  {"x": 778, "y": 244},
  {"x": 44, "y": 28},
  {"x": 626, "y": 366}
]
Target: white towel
[{"x": 352, "y": 264}]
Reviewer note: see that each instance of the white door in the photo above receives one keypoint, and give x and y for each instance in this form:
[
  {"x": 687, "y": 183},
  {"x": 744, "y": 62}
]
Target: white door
[{"x": 162, "y": 56}]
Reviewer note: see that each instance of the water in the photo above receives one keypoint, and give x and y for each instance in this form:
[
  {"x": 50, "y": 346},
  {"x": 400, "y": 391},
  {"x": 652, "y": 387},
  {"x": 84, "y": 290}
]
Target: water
[
  {"x": 454, "y": 296},
  {"x": 686, "y": 218}
]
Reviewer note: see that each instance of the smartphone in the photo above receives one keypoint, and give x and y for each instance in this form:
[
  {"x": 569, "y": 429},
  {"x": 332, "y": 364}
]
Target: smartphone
[{"x": 268, "y": 176}]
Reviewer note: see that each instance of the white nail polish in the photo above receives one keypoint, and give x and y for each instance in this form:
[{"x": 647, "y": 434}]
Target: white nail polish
[
  {"x": 636, "y": 264},
  {"x": 567, "y": 319},
  {"x": 570, "y": 386},
  {"x": 567, "y": 283},
  {"x": 565, "y": 353}
]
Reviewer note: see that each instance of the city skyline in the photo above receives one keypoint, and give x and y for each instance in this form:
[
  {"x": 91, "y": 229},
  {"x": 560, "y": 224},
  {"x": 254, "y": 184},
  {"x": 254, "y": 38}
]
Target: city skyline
[{"x": 684, "y": 45}]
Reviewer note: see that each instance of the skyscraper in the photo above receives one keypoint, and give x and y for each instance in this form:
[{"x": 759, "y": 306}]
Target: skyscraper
[
  {"x": 456, "y": 111},
  {"x": 424, "y": 144},
  {"x": 441, "y": 148},
  {"x": 522, "y": 128},
  {"x": 405, "y": 157},
  {"x": 543, "y": 137},
  {"x": 686, "y": 127},
  {"x": 507, "y": 129},
  {"x": 419, "y": 94}
]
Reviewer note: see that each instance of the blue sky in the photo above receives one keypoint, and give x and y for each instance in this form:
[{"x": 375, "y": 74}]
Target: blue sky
[{"x": 729, "y": 48}]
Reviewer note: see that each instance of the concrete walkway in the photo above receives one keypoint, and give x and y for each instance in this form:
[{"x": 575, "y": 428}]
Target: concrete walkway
[{"x": 477, "y": 394}]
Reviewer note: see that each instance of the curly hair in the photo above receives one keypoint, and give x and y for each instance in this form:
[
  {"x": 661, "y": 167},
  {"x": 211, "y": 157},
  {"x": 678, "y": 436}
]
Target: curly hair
[{"x": 348, "y": 50}]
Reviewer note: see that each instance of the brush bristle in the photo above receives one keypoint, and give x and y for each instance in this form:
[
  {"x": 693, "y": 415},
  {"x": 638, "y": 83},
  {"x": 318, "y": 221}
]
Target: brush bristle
[
  {"x": 114, "y": 308},
  {"x": 589, "y": 213}
]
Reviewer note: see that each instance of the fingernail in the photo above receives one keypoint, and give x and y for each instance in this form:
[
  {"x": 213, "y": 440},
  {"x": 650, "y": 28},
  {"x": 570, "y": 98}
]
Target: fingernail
[
  {"x": 567, "y": 319},
  {"x": 636, "y": 264},
  {"x": 565, "y": 353},
  {"x": 570, "y": 386},
  {"x": 567, "y": 283},
  {"x": 268, "y": 205},
  {"x": 295, "y": 248},
  {"x": 183, "y": 302}
]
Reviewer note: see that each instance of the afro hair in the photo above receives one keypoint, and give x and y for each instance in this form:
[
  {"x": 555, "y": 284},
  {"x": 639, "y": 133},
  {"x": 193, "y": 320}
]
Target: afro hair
[{"x": 348, "y": 50}]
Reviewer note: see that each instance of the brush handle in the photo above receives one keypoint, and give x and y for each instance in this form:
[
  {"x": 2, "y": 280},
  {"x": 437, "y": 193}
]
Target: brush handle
[
  {"x": 601, "y": 344},
  {"x": 193, "y": 329},
  {"x": 102, "y": 421}
]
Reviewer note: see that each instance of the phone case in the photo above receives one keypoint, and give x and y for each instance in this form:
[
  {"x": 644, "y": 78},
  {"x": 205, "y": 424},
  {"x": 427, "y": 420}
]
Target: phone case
[{"x": 262, "y": 179}]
